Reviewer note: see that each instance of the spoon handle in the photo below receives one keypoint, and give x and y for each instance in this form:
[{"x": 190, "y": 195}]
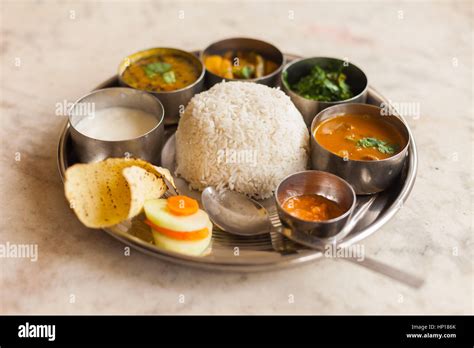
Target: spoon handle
[
  {"x": 357, "y": 215},
  {"x": 388, "y": 271},
  {"x": 369, "y": 263}
]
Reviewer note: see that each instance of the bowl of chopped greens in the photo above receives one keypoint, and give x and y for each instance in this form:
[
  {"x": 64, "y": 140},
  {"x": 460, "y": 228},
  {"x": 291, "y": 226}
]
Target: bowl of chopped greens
[{"x": 316, "y": 83}]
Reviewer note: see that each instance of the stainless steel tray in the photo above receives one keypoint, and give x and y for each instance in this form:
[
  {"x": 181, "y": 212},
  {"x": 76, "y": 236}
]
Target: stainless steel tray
[{"x": 264, "y": 252}]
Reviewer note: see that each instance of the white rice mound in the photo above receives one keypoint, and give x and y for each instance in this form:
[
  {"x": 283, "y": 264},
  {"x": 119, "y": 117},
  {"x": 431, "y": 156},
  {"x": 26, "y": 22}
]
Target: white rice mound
[{"x": 241, "y": 136}]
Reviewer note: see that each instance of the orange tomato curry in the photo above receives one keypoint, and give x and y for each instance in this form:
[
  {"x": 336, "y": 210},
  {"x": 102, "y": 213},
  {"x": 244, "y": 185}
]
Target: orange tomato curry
[
  {"x": 312, "y": 207},
  {"x": 360, "y": 137}
]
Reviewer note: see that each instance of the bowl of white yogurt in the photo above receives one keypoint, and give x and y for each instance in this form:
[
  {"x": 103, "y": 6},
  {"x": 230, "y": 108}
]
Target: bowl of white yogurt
[{"x": 117, "y": 122}]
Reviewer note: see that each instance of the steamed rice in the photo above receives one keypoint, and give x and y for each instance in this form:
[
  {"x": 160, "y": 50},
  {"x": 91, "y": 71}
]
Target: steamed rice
[{"x": 242, "y": 136}]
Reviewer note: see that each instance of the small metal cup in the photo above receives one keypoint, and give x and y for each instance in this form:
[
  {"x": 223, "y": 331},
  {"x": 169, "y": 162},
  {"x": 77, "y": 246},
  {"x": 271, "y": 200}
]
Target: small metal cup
[
  {"x": 267, "y": 50},
  {"x": 294, "y": 71},
  {"x": 173, "y": 101},
  {"x": 321, "y": 183},
  {"x": 147, "y": 146},
  {"x": 366, "y": 177}
]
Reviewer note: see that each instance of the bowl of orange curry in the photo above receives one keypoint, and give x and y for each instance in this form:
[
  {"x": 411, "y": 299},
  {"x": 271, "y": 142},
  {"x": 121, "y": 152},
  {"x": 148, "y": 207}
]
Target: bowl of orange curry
[{"x": 361, "y": 143}]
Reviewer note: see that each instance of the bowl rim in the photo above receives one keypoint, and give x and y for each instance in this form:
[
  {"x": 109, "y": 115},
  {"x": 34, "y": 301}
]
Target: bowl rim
[
  {"x": 401, "y": 153},
  {"x": 256, "y": 79},
  {"x": 121, "y": 69},
  {"x": 98, "y": 91},
  {"x": 345, "y": 215},
  {"x": 285, "y": 85}
]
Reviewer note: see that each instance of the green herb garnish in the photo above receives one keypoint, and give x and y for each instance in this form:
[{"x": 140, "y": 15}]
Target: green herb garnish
[
  {"x": 323, "y": 85},
  {"x": 161, "y": 68},
  {"x": 169, "y": 77},
  {"x": 247, "y": 71},
  {"x": 380, "y": 145}
]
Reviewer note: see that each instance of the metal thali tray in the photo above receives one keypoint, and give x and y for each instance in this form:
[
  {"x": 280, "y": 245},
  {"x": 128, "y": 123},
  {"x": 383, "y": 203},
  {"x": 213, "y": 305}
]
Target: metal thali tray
[{"x": 263, "y": 252}]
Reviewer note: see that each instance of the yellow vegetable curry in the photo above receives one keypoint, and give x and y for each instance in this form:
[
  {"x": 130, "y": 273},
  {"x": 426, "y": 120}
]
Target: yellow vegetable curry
[{"x": 161, "y": 73}]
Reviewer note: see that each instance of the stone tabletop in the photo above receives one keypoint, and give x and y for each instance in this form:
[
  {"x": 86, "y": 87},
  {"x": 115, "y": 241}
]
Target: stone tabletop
[{"x": 418, "y": 54}]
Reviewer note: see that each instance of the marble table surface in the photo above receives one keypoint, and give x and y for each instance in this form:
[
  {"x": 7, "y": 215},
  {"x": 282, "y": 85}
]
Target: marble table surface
[{"x": 54, "y": 52}]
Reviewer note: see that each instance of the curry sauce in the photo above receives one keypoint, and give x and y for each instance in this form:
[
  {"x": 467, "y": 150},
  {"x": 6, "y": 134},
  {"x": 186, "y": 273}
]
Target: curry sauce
[
  {"x": 360, "y": 137},
  {"x": 312, "y": 207}
]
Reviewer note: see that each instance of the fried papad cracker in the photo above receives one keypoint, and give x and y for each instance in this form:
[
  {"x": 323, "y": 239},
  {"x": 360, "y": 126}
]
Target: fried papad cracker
[{"x": 102, "y": 194}]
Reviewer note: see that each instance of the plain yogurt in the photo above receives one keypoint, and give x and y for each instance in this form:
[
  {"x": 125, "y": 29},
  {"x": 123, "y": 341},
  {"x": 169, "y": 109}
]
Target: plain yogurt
[{"x": 116, "y": 123}]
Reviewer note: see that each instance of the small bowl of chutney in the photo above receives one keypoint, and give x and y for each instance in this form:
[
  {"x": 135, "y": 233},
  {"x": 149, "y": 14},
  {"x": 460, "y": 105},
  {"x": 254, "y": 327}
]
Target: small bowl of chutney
[{"x": 314, "y": 203}]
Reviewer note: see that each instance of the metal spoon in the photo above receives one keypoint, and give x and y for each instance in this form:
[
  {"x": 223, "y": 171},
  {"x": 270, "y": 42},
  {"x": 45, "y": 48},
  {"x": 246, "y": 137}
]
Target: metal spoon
[{"x": 237, "y": 214}]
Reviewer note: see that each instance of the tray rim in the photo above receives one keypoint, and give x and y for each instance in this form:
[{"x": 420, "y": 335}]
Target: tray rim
[{"x": 281, "y": 261}]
